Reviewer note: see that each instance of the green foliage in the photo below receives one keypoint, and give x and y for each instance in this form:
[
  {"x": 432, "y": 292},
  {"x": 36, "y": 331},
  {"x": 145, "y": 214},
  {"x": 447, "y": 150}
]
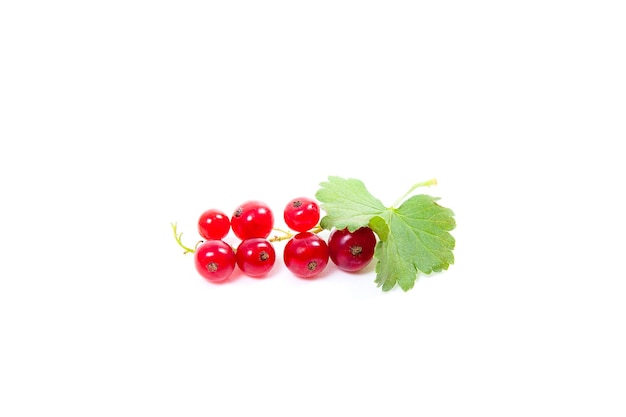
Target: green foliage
[{"x": 413, "y": 238}]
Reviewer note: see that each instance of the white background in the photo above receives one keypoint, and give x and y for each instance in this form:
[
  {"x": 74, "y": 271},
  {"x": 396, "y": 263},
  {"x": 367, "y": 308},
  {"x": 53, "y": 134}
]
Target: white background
[{"x": 119, "y": 117}]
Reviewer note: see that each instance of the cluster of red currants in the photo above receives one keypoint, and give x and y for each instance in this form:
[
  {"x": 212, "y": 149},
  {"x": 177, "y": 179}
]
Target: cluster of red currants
[{"x": 306, "y": 254}]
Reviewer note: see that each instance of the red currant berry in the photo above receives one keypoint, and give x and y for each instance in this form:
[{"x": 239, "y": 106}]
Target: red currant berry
[
  {"x": 306, "y": 255},
  {"x": 252, "y": 219},
  {"x": 255, "y": 256},
  {"x": 302, "y": 214},
  {"x": 215, "y": 260},
  {"x": 213, "y": 224},
  {"x": 351, "y": 251}
]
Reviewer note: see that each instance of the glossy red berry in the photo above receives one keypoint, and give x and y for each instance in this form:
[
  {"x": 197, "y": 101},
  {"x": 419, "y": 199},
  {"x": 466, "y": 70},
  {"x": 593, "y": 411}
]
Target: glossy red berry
[
  {"x": 306, "y": 255},
  {"x": 252, "y": 219},
  {"x": 302, "y": 214},
  {"x": 215, "y": 260},
  {"x": 213, "y": 224},
  {"x": 255, "y": 256},
  {"x": 351, "y": 251}
]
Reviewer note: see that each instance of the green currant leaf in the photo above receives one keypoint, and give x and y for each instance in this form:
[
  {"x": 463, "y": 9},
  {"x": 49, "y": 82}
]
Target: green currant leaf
[
  {"x": 347, "y": 203},
  {"x": 418, "y": 241},
  {"x": 413, "y": 238},
  {"x": 386, "y": 270},
  {"x": 379, "y": 226}
]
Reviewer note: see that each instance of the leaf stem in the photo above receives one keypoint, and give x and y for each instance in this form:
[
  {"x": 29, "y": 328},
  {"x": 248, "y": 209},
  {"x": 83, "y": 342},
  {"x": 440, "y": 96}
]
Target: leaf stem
[
  {"x": 428, "y": 183},
  {"x": 177, "y": 236}
]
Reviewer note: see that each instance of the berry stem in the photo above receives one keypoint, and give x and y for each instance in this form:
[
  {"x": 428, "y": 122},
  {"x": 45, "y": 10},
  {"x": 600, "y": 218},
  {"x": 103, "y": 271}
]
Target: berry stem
[
  {"x": 177, "y": 236},
  {"x": 428, "y": 183},
  {"x": 317, "y": 229},
  {"x": 288, "y": 235}
]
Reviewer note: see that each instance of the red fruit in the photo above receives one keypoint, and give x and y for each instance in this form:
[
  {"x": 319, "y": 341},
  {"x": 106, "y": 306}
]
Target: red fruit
[
  {"x": 252, "y": 219},
  {"x": 306, "y": 255},
  {"x": 255, "y": 256},
  {"x": 215, "y": 260},
  {"x": 351, "y": 251},
  {"x": 213, "y": 224},
  {"x": 301, "y": 214}
]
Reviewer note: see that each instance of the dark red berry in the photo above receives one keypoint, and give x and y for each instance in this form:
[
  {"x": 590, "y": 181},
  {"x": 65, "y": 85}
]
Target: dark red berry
[{"x": 351, "y": 251}]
